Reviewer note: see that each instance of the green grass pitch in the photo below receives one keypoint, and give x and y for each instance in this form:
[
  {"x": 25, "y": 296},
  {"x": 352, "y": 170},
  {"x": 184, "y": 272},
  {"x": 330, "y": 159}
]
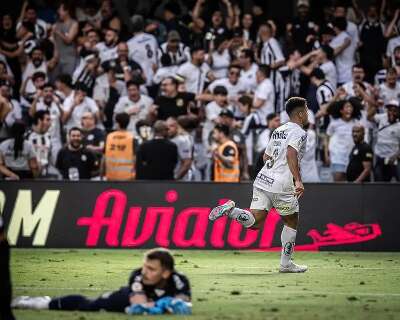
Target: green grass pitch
[{"x": 225, "y": 284}]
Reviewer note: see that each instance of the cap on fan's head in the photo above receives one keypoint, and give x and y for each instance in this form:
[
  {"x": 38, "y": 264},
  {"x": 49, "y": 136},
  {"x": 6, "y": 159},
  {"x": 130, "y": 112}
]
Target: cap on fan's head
[
  {"x": 226, "y": 113},
  {"x": 392, "y": 103},
  {"x": 303, "y": 3},
  {"x": 173, "y": 35}
]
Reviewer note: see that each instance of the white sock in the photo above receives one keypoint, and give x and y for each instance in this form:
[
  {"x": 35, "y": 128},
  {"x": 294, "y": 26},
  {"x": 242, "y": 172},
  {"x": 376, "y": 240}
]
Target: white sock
[
  {"x": 244, "y": 217},
  {"x": 288, "y": 238}
]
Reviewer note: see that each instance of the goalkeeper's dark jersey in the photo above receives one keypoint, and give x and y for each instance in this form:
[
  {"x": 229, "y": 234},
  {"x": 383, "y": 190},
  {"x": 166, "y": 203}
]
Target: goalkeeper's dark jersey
[{"x": 177, "y": 284}]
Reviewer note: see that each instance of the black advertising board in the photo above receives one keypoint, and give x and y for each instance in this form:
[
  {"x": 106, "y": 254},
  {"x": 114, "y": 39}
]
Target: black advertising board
[{"x": 90, "y": 214}]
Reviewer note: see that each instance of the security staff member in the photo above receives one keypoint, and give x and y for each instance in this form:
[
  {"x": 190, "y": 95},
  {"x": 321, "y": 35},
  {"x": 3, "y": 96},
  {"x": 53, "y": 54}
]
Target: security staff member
[
  {"x": 226, "y": 156},
  {"x": 119, "y": 160},
  {"x": 360, "y": 163}
]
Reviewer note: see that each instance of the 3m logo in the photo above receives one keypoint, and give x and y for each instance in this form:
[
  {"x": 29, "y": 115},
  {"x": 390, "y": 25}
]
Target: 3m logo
[
  {"x": 243, "y": 217},
  {"x": 34, "y": 223}
]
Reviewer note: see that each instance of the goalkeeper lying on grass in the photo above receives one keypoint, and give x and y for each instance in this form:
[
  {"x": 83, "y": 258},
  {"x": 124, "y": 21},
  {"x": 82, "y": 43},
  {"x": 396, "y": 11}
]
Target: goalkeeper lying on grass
[{"x": 155, "y": 288}]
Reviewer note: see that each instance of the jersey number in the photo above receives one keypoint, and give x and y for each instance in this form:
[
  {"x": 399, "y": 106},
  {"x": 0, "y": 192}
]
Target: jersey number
[
  {"x": 271, "y": 161},
  {"x": 149, "y": 52}
]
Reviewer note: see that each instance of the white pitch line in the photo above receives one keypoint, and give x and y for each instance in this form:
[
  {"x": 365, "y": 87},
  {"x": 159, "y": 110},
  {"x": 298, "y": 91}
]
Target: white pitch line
[
  {"x": 311, "y": 267},
  {"x": 281, "y": 290}
]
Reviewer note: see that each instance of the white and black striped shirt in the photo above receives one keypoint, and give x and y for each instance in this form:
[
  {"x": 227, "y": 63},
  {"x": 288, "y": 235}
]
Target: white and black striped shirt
[
  {"x": 179, "y": 57},
  {"x": 325, "y": 93}
]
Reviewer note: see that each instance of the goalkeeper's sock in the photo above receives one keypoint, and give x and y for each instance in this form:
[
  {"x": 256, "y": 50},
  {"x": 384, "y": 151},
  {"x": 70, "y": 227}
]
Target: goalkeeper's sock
[
  {"x": 288, "y": 238},
  {"x": 244, "y": 217}
]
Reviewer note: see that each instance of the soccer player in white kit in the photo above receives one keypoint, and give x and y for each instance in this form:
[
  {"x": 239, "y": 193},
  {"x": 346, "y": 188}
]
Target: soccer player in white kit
[{"x": 278, "y": 184}]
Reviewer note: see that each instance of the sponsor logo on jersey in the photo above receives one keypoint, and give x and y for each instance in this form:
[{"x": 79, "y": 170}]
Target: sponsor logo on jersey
[
  {"x": 265, "y": 179},
  {"x": 243, "y": 217},
  {"x": 279, "y": 135}
]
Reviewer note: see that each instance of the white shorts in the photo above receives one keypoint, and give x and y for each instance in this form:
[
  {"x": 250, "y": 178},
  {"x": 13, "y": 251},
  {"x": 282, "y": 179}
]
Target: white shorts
[{"x": 285, "y": 203}]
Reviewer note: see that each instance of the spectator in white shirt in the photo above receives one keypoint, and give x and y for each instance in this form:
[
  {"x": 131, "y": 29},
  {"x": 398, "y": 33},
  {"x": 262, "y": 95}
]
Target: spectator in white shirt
[
  {"x": 357, "y": 77},
  {"x": 233, "y": 84},
  {"x": 136, "y": 105},
  {"x": 219, "y": 57},
  {"x": 212, "y": 110},
  {"x": 390, "y": 89},
  {"x": 343, "y": 51},
  {"x": 248, "y": 74},
  {"x": 46, "y": 100},
  {"x": 108, "y": 48},
  {"x": 76, "y": 105},
  {"x": 264, "y": 96},
  {"x": 324, "y": 57},
  {"x": 390, "y": 48},
  {"x": 387, "y": 146},
  {"x": 195, "y": 72},
  {"x": 339, "y": 140}
]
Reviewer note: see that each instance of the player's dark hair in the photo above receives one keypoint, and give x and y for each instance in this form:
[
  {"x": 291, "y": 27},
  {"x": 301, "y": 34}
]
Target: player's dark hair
[
  {"x": 132, "y": 83},
  {"x": 65, "y": 79},
  {"x": 318, "y": 73},
  {"x": 18, "y": 131},
  {"x": 220, "y": 90},
  {"x": 166, "y": 60},
  {"x": 271, "y": 116},
  {"x": 264, "y": 69},
  {"x": 248, "y": 53},
  {"x": 357, "y": 66},
  {"x": 293, "y": 103},
  {"x": 137, "y": 23},
  {"x": 48, "y": 85},
  {"x": 81, "y": 87},
  {"x": 335, "y": 107},
  {"x": 223, "y": 128},
  {"x": 160, "y": 128},
  {"x": 328, "y": 51},
  {"x": 195, "y": 48},
  {"x": 173, "y": 79},
  {"x": 234, "y": 66},
  {"x": 246, "y": 100},
  {"x": 340, "y": 23},
  {"x": 39, "y": 115},
  {"x": 37, "y": 75},
  {"x": 391, "y": 70},
  {"x": 122, "y": 119},
  {"x": 74, "y": 129},
  {"x": 163, "y": 255}
]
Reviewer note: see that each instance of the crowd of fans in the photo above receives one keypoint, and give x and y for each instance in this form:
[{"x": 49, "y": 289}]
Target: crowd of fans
[{"x": 193, "y": 90}]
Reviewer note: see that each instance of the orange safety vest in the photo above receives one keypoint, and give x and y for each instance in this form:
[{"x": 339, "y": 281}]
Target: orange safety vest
[
  {"x": 221, "y": 172},
  {"x": 119, "y": 156}
]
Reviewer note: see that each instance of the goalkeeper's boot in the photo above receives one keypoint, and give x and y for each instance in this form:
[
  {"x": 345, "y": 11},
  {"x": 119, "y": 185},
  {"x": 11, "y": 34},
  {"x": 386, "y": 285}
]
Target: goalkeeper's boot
[
  {"x": 221, "y": 210},
  {"x": 292, "y": 268}
]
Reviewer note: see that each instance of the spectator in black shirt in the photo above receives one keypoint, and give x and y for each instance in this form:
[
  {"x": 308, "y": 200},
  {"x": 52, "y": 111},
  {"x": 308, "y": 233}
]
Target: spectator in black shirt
[
  {"x": 125, "y": 68},
  {"x": 360, "y": 164},
  {"x": 156, "y": 159},
  {"x": 302, "y": 30},
  {"x": 173, "y": 103},
  {"x": 74, "y": 161}
]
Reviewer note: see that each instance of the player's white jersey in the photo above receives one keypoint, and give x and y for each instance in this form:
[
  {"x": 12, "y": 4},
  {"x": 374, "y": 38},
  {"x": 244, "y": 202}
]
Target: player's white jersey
[
  {"x": 275, "y": 176},
  {"x": 143, "y": 49}
]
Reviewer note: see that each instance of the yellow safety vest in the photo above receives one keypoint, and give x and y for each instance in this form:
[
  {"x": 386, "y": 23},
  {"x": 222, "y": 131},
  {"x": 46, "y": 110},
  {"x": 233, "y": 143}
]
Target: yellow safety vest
[
  {"x": 221, "y": 172},
  {"x": 119, "y": 156}
]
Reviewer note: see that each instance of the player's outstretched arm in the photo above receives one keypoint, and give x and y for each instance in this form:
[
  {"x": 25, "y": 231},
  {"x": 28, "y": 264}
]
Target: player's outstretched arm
[{"x": 294, "y": 167}]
